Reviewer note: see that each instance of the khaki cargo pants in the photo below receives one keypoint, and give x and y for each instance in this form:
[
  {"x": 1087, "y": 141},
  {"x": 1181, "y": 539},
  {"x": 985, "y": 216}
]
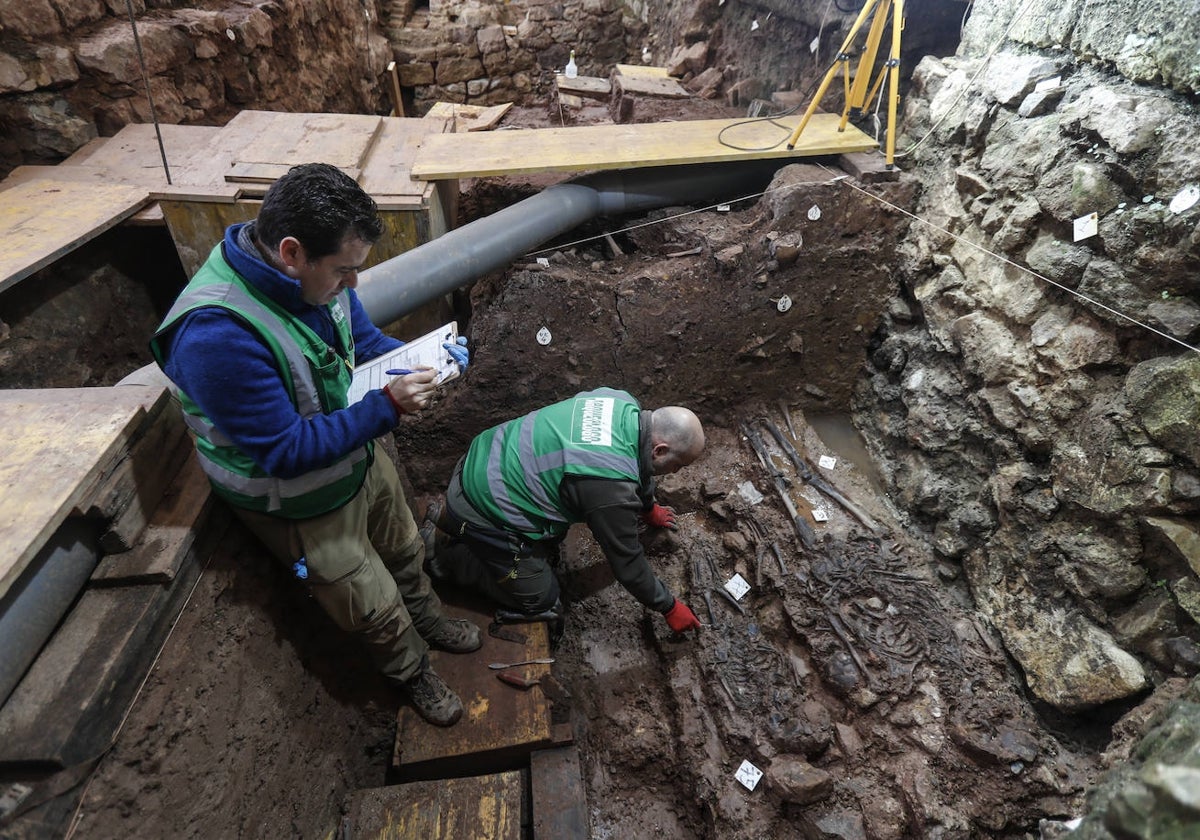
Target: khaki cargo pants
[{"x": 365, "y": 569}]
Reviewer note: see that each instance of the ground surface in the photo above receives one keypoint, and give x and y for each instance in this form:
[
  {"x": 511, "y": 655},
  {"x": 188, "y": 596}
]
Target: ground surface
[{"x": 851, "y": 672}]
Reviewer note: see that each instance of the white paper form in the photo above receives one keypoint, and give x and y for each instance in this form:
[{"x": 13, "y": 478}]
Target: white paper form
[{"x": 426, "y": 351}]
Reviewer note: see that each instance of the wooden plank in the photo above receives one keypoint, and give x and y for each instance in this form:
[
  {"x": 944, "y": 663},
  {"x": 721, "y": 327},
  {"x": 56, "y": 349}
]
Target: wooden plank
[
  {"x": 388, "y": 168},
  {"x": 599, "y": 147},
  {"x": 44, "y": 219},
  {"x": 500, "y": 725},
  {"x": 477, "y": 808},
  {"x": 126, "y": 526},
  {"x": 168, "y": 537},
  {"x": 111, "y": 490},
  {"x": 134, "y": 152},
  {"x": 71, "y": 702},
  {"x": 484, "y": 120},
  {"x": 56, "y": 441},
  {"x": 559, "y": 800},
  {"x": 341, "y": 140},
  {"x": 641, "y": 71},
  {"x": 589, "y": 86},
  {"x": 268, "y": 173},
  {"x": 652, "y": 86}
]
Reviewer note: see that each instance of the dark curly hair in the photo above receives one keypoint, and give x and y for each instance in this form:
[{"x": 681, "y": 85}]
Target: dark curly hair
[{"x": 319, "y": 205}]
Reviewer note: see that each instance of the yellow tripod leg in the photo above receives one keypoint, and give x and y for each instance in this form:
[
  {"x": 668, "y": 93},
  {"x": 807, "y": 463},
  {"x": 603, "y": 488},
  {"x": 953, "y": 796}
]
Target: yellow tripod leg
[
  {"x": 857, "y": 96},
  {"x": 894, "y": 82},
  {"x": 843, "y": 55}
]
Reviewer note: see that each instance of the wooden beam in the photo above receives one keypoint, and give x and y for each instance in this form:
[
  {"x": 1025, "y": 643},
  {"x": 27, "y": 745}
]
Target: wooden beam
[{"x": 601, "y": 147}]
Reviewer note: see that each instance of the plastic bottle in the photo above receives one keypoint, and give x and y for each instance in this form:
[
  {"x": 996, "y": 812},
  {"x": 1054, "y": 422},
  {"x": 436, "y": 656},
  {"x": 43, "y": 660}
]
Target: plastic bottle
[
  {"x": 300, "y": 568},
  {"x": 572, "y": 70}
]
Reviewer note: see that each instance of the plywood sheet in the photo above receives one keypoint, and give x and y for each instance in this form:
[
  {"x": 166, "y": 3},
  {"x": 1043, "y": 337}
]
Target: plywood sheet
[
  {"x": 341, "y": 140},
  {"x": 662, "y": 87},
  {"x": 583, "y": 148},
  {"x": 638, "y": 70},
  {"x": 499, "y": 721},
  {"x": 387, "y": 173},
  {"x": 44, "y": 219},
  {"x": 476, "y": 808},
  {"x": 55, "y": 443},
  {"x": 590, "y": 86}
]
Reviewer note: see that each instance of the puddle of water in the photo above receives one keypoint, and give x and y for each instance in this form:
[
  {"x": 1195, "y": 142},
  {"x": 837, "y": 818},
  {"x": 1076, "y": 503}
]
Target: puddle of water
[{"x": 839, "y": 434}]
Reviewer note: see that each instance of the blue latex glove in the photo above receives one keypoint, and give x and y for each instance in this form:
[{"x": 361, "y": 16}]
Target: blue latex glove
[{"x": 459, "y": 353}]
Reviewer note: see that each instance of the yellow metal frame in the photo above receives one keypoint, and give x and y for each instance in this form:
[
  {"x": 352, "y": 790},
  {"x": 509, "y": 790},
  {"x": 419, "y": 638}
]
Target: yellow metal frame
[{"x": 861, "y": 92}]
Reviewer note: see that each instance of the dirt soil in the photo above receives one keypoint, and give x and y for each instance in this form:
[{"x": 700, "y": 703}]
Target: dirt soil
[{"x": 852, "y": 673}]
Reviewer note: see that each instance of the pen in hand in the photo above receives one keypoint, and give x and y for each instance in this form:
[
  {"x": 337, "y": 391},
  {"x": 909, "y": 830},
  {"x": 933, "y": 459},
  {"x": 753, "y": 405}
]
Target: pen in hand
[{"x": 398, "y": 372}]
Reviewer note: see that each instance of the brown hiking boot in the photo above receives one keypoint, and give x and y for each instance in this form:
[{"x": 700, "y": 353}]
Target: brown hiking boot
[
  {"x": 456, "y": 635},
  {"x": 433, "y": 699}
]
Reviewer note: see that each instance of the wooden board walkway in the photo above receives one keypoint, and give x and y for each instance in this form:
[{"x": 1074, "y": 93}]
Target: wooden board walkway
[
  {"x": 479, "y": 808},
  {"x": 583, "y": 148},
  {"x": 501, "y": 725},
  {"x": 58, "y": 444},
  {"x": 47, "y": 211}
]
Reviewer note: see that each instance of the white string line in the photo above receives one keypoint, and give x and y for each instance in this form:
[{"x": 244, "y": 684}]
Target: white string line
[
  {"x": 77, "y": 816},
  {"x": 847, "y": 180},
  {"x": 1017, "y": 265}
]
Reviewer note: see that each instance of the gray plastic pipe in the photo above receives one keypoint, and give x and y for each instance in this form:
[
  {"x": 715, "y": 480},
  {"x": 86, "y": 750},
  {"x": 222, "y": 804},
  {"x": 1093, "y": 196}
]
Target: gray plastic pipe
[
  {"x": 406, "y": 282},
  {"x": 37, "y": 601}
]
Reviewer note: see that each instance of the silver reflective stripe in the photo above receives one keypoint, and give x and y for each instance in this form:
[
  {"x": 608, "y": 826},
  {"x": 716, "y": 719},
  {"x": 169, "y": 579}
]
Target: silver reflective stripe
[
  {"x": 276, "y": 489},
  {"x": 202, "y": 427},
  {"x": 495, "y": 478},
  {"x": 532, "y": 477},
  {"x": 609, "y": 392},
  {"x": 307, "y": 401},
  {"x": 624, "y": 464}
]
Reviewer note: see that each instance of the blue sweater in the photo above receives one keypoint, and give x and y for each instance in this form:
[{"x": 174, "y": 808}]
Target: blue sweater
[{"x": 221, "y": 363}]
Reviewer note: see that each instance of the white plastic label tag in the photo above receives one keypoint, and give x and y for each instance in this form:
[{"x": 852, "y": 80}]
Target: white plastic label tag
[
  {"x": 737, "y": 587},
  {"x": 543, "y": 261},
  {"x": 543, "y": 336},
  {"x": 1185, "y": 199},
  {"x": 820, "y": 515},
  {"x": 1086, "y": 226},
  {"x": 827, "y": 462},
  {"x": 748, "y": 775},
  {"x": 814, "y": 213}
]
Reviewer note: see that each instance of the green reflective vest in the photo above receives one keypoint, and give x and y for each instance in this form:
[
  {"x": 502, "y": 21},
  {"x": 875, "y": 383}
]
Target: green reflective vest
[
  {"x": 513, "y": 473},
  {"x": 317, "y": 380}
]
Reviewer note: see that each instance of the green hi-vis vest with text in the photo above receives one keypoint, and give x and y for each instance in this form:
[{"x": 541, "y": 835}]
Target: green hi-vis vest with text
[
  {"x": 317, "y": 380},
  {"x": 512, "y": 473}
]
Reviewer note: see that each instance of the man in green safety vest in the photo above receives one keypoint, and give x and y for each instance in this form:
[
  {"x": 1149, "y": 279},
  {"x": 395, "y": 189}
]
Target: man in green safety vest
[
  {"x": 591, "y": 458},
  {"x": 261, "y": 346}
]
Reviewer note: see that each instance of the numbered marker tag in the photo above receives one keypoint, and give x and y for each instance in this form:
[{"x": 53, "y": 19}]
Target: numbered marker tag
[
  {"x": 1185, "y": 199},
  {"x": 827, "y": 462},
  {"x": 820, "y": 515},
  {"x": 722, "y": 208},
  {"x": 814, "y": 213},
  {"x": 1086, "y": 226},
  {"x": 737, "y": 587},
  {"x": 543, "y": 336},
  {"x": 783, "y": 304},
  {"x": 748, "y": 775},
  {"x": 229, "y": 34},
  {"x": 543, "y": 261},
  {"x": 814, "y": 44},
  {"x": 753, "y": 25}
]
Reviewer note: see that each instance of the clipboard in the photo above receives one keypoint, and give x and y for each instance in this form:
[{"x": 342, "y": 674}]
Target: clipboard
[{"x": 426, "y": 351}]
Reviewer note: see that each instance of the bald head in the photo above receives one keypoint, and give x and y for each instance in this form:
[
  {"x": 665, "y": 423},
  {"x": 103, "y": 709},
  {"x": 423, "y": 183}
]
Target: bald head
[{"x": 676, "y": 439}]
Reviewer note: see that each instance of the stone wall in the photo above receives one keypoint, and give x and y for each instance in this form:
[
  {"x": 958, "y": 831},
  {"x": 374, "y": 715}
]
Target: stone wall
[
  {"x": 488, "y": 53},
  {"x": 1033, "y": 394},
  {"x": 69, "y": 69}
]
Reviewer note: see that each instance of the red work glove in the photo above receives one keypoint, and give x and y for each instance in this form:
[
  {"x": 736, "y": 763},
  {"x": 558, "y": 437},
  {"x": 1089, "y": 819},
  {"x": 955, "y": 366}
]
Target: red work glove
[
  {"x": 680, "y": 618},
  {"x": 660, "y": 517}
]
